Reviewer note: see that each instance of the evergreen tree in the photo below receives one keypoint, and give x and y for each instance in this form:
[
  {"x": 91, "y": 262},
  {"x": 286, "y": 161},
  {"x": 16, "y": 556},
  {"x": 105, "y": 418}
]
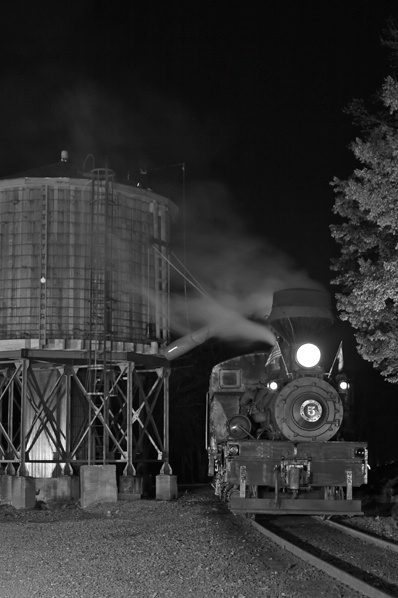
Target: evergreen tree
[{"x": 367, "y": 202}]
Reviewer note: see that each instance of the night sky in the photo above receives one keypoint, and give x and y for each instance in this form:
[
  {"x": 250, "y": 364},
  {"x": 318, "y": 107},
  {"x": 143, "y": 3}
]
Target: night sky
[
  {"x": 249, "y": 99},
  {"x": 249, "y": 96}
]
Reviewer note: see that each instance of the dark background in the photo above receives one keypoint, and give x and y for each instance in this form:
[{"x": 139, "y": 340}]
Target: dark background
[{"x": 250, "y": 98}]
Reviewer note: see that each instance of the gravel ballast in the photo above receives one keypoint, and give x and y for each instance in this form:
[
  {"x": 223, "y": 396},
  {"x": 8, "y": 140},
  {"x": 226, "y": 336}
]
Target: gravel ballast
[{"x": 192, "y": 546}]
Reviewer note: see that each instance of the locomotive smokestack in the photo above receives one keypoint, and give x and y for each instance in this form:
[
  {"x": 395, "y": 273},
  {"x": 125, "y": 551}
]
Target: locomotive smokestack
[{"x": 299, "y": 314}]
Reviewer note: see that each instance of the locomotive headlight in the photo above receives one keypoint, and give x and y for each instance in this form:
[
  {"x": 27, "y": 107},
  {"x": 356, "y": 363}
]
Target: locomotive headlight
[
  {"x": 273, "y": 385},
  {"x": 343, "y": 385},
  {"x": 308, "y": 355}
]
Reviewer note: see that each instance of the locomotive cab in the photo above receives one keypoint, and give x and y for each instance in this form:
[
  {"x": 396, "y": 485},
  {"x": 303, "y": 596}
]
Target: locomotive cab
[{"x": 275, "y": 423}]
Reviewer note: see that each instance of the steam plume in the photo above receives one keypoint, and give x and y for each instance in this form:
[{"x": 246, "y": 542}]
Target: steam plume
[{"x": 239, "y": 272}]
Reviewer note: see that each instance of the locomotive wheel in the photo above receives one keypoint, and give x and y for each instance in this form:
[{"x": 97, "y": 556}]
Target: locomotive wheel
[
  {"x": 224, "y": 491},
  {"x": 233, "y": 491},
  {"x": 308, "y": 409}
]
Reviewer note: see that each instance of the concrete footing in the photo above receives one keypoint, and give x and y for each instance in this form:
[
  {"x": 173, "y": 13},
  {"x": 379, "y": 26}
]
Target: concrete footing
[
  {"x": 97, "y": 484},
  {"x": 131, "y": 487},
  {"x": 166, "y": 487},
  {"x": 63, "y": 488},
  {"x": 19, "y": 492}
]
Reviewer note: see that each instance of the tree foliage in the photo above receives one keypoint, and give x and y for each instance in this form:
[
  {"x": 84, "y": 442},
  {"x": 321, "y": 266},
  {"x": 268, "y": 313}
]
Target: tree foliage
[{"x": 367, "y": 202}]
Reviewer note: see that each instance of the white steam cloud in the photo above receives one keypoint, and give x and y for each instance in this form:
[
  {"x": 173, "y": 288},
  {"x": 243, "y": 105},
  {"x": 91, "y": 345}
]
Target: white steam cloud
[{"x": 237, "y": 272}]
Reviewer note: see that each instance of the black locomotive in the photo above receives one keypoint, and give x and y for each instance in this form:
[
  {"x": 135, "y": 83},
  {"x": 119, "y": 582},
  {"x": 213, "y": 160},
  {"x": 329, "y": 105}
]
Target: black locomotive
[{"x": 277, "y": 421}]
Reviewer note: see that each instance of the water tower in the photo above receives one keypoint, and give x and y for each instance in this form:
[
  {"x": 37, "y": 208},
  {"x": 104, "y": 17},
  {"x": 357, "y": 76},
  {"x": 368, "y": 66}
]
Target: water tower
[{"x": 84, "y": 300}]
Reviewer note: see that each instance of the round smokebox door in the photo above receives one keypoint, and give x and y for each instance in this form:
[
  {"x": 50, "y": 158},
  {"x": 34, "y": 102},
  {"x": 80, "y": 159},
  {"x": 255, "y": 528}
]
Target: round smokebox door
[{"x": 308, "y": 409}]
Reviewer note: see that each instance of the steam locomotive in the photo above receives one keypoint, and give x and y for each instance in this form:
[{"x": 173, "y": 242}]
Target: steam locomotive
[{"x": 276, "y": 421}]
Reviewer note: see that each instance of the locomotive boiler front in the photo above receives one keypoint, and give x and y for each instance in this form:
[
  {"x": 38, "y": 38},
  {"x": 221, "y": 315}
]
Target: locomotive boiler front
[{"x": 307, "y": 408}]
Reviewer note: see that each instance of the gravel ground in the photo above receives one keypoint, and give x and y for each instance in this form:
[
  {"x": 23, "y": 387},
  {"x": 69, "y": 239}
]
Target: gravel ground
[{"x": 192, "y": 546}]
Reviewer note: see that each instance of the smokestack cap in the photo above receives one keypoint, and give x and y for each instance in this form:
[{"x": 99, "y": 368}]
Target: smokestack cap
[
  {"x": 298, "y": 314},
  {"x": 310, "y": 303}
]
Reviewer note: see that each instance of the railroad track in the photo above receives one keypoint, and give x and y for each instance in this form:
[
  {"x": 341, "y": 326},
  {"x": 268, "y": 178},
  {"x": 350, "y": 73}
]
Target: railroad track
[{"x": 366, "y": 564}]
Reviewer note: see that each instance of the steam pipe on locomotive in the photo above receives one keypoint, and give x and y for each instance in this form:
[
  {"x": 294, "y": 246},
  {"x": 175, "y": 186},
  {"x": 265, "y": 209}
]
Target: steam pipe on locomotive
[
  {"x": 186, "y": 343},
  {"x": 277, "y": 421}
]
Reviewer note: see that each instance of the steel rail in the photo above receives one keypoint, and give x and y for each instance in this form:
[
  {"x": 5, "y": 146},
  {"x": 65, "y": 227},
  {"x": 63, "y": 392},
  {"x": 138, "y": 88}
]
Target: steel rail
[
  {"x": 361, "y": 535},
  {"x": 341, "y": 576}
]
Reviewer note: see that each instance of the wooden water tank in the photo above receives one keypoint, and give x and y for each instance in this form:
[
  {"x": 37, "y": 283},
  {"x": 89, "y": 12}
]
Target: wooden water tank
[{"x": 82, "y": 258}]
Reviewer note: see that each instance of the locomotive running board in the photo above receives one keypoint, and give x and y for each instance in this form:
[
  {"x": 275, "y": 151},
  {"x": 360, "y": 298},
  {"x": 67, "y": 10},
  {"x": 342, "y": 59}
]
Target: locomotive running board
[{"x": 286, "y": 506}]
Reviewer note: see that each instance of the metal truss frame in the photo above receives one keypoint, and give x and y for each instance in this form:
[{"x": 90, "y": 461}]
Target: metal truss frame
[{"x": 59, "y": 409}]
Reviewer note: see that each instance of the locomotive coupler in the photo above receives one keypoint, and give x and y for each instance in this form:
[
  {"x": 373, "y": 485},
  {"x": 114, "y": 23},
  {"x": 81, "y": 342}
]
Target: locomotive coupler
[{"x": 295, "y": 473}]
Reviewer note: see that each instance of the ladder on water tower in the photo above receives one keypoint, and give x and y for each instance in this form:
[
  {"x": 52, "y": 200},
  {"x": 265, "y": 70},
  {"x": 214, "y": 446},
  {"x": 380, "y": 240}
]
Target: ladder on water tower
[{"x": 100, "y": 326}]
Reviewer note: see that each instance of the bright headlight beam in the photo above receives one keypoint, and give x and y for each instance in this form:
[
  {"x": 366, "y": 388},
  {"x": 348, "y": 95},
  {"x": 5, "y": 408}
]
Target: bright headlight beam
[{"x": 308, "y": 355}]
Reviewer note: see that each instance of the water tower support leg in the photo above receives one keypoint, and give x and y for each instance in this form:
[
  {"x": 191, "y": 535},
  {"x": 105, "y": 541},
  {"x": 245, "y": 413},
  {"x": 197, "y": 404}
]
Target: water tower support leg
[
  {"x": 23, "y": 471},
  {"x": 130, "y": 485},
  {"x": 166, "y": 483}
]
